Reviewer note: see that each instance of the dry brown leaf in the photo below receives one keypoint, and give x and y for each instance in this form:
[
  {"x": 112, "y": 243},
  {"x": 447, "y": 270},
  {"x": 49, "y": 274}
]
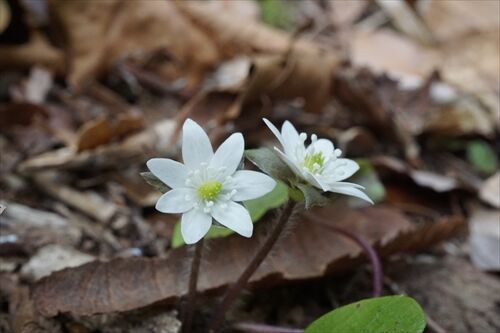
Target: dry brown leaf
[
  {"x": 103, "y": 130},
  {"x": 386, "y": 51},
  {"x": 449, "y": 20},
  {"x": 154, "y": 141},
  {"x": 235, "y": 35},
  {"x": 37, "y": 51},
  {"x": 98, "y": 33},
  {"x": 52, "y": 258},
  {"x": 310, "y": 251}
]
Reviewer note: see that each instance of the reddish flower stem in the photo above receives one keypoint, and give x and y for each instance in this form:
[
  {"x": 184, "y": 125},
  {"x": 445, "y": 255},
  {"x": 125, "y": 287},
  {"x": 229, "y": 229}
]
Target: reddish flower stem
[
  {"x": 193, "y": 280},
  {"x": 368, "y": 249},
  {"x": 235, "y": 289}
]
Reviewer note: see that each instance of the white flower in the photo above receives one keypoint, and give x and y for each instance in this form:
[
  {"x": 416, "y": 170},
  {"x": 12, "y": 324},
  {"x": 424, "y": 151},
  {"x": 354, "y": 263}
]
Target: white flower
[
  {"x": 319, "y": 164},
  {"x": 208, "y": 185}
]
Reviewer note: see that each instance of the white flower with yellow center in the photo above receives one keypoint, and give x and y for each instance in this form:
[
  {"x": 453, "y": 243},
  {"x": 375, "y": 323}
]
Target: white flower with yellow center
[
  {"x": 208, "y": 185},
  {"x": 319, "y": 164}
]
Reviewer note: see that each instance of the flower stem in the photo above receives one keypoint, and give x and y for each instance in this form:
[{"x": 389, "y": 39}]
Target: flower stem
[
  {"x": 235, "y": 289},
  {"x": 193, "y": 280},
  {"x": 370, "y": 252}
]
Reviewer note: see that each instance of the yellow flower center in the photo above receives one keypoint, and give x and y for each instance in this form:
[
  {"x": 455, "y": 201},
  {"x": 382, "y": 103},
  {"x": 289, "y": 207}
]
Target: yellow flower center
[
  {"x": 313, "y": 162},
  {"x": 209, "y": 190}
]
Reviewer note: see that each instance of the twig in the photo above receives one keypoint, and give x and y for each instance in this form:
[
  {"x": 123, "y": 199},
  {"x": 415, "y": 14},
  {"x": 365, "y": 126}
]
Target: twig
[
  {"x": 235, "y": 289},
  {"x": 370, "y": 252},
  {"x": 193, "y": 280},
  {"x": 260, "y": 328}
]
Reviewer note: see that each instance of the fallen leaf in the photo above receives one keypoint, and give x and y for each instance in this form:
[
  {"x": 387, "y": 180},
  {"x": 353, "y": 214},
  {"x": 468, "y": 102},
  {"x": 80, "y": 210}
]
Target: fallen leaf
[
  {"x": 99, "y": 33},
  {"x": 235, "y": 35},
  {"x": 103, "y": 130},
  {"x": 52, "y": 258},
  {"x": 376, "y": 50},
  {"x": 484, "y": 238},
  {"x": 449, "y": 20},
  {"x": 31, "y": 228},
  {"x": 309, "y": 252},
  {"x": 152, "y": 141},
  {"x": 38, "y": 51}
]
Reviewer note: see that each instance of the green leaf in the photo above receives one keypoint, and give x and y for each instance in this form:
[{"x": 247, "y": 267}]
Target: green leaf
[
  {"x": 312, "y": 196},
  {"x": 266, "y": 160},
  {"x": 256, "y": 207},
  {"x": 276, "y": 13},
  {"x": 376, "y": 315},
  {"x": 154, "y": 181},
  {"x": 274, "y": 199},
  {"x": 367, "y": 177},
  {"x": 482, "y": 157}
]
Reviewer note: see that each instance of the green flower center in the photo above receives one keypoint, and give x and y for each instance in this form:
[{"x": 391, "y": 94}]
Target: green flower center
[
  {"x": 209, "y": 190},
  {"x": 313, "y": 162}
]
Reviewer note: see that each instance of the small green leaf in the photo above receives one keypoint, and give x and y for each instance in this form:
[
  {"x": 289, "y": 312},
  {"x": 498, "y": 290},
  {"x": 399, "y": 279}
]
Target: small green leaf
[
  {"x": 482, "y": 157},
  {"x": 266, "y": 160},
  {"x": 367, "y": 177},
  {"x": 376, "y": 315},
  {"x": 312, "y": 196},
  {"x": 256, "y": 207},
  {"x": 274, "y": 199},
  {"x": 276, "y": 13},
  {"x": 154, "y": 181}
]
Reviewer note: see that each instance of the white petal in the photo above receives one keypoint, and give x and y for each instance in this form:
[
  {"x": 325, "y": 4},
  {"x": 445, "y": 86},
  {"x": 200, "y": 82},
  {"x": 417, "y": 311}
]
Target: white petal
[
  {"x": 317, "y": 181},
  {"x": 290, "y": 138},
  {"x": 322, "y": 145},
  {"x": 196, "y": 147},
  {"x": 235, "y": 217},
  {"x": 170, "y": 172},
  {"x": 194, "y": 225},
  {"x": 178, "y": 200},
  {"x": 275, "y": 131},
  {"x": 340, "y": 169},
  {"x": 350, "y": 190},
  {"x": 251, "y": 185},
  {"x": 229, "y": 154},
  {"x": 291, "y": 163}
]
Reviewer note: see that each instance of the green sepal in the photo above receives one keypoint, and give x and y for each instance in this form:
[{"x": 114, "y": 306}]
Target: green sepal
[
  {"x": 312, "y": 196},
  {"x": 266, "y": 160},
  {"x": 154, "y": 181}
]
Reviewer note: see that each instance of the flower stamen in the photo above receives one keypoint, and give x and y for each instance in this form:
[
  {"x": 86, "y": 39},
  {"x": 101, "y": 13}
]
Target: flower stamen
[{"x": 209, "y": 190}]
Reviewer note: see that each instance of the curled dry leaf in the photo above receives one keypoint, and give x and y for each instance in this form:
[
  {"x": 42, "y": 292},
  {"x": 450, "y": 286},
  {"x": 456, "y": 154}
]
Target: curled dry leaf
[
  {"x": 103, "y": 130},
  {"x": 52, "y": 258},
  {"x": 153, "y": 141},
  {"x": 236, "y": 35},
  {"x": 309, "y": 252},
  {"x": 37, "y": 51},
  {"x": 98, "y": 33}
]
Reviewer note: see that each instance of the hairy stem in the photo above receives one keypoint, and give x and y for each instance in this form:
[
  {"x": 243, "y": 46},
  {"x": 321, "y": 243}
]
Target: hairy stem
[
  {"x": 370, "y": 252},
  {"x": 235, "y": 289},
  {"x": 193, "y": 280}
]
